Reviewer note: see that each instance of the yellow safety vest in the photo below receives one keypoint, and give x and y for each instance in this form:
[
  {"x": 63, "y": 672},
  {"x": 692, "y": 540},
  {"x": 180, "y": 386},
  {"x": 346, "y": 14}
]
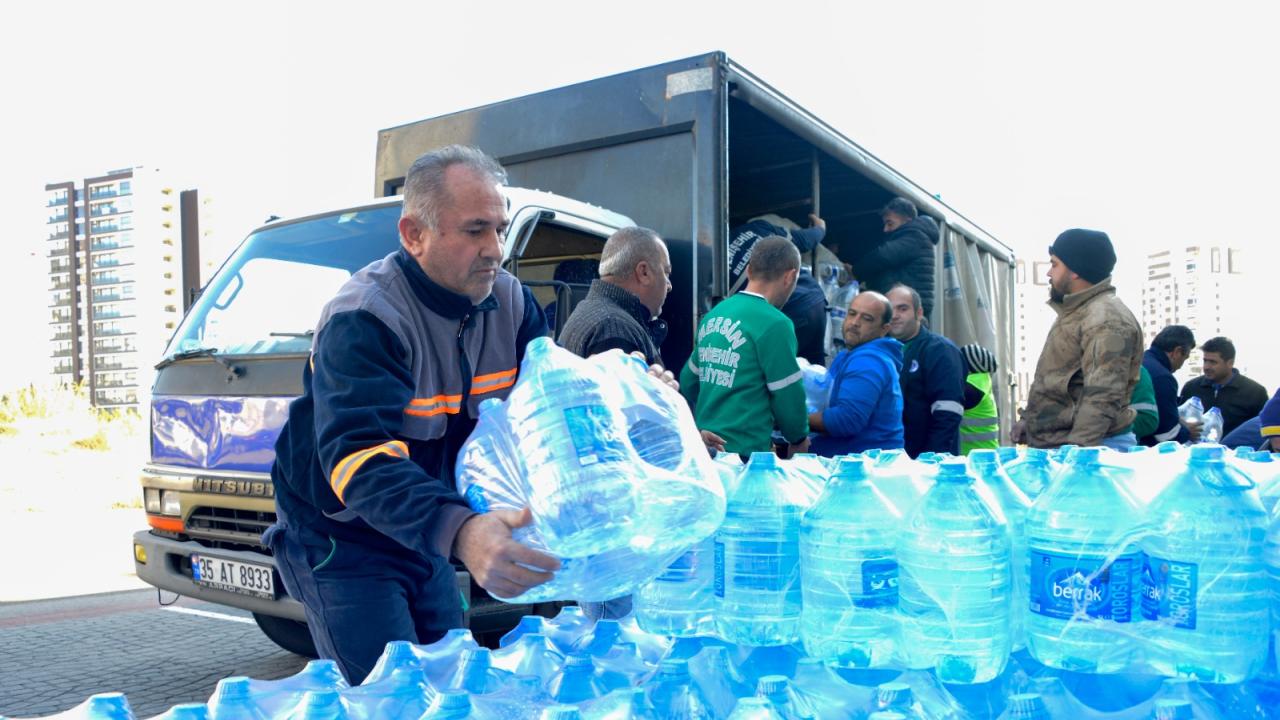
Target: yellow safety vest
[{"x": 980, "y": 427}]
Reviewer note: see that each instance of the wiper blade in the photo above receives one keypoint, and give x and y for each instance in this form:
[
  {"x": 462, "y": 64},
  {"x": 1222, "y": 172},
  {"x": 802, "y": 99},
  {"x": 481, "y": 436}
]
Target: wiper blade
[
  {"x": 233, "y": 371},
  {"x": 304, "y": 334},
  {"x": 187, "y": 354}
]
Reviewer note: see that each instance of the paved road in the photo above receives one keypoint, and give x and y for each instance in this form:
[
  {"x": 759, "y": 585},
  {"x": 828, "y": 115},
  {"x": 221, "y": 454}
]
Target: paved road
[{"x": 56, "y": 653}]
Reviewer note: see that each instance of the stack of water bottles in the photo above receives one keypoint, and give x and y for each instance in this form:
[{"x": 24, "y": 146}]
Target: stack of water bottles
[{"x": 608, "y": 460}]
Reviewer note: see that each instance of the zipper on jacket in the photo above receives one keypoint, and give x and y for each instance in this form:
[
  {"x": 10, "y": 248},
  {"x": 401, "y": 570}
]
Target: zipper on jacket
[{"x": 464, "y": 363}]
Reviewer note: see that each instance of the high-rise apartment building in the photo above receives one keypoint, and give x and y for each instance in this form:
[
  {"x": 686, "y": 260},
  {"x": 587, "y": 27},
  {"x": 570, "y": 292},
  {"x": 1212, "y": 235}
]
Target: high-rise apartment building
[
  {"x": 1204, "y": 288},
  {"x": 123, "y": 254}
]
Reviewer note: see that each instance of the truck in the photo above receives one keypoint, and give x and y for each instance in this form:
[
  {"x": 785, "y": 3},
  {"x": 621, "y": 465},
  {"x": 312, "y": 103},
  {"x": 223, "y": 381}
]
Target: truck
[{"x": 689, "y": 148}]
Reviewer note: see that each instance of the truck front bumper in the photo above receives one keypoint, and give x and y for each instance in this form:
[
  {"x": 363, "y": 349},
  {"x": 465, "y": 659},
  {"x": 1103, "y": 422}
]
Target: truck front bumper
[{"x": 168, "y": 567}]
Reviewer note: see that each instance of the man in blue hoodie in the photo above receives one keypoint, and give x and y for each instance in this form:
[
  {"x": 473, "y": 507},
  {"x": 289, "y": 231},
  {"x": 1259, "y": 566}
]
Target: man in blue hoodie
[{"x": 865, "y": 409}]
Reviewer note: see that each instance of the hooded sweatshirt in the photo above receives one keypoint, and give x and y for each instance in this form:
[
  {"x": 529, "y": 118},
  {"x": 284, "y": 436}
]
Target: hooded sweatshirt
[{"x": 865, "y": 409}]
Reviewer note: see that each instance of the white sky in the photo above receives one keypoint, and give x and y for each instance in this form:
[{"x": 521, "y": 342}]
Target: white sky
[{"x": 1154, "y": 121}]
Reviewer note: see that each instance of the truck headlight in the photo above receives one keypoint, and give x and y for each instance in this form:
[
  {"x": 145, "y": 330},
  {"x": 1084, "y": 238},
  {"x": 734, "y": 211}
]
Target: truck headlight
[
  {"x": 169, "y": 503},
  {"x": 151, "y": 500}
]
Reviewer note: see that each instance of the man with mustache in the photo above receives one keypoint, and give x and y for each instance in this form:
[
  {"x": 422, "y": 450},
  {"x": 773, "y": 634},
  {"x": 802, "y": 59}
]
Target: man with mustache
[{"x": 368, "y": 517}]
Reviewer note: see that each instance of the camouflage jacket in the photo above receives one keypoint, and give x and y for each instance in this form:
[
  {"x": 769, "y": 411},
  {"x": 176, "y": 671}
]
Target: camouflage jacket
[{"x": 1087, "y": 371}]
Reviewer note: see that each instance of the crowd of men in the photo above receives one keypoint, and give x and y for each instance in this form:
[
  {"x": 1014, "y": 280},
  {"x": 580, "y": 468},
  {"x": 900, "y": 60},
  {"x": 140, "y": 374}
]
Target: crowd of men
[{"x": 368, "y": 522}]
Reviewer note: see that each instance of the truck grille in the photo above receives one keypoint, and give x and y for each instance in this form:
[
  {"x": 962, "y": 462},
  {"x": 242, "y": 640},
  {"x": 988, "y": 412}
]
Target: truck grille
[{"x": 228, "y": 528}]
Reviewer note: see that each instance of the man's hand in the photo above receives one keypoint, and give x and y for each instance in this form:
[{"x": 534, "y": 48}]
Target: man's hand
[
  {"x": 496, "y": 561},
  {"x": 796, "y": 448},
  {"x": 815, "y": 221},
  {"x": 712, "y": 441},
  {"x": 662, "y": 374},
  {"x": 1194, "y": 428},
  {"x": 1018, "y": 434}
]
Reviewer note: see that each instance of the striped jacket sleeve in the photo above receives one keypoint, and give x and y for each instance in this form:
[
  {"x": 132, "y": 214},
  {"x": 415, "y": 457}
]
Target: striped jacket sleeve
[{"x": 361, "y": 385}]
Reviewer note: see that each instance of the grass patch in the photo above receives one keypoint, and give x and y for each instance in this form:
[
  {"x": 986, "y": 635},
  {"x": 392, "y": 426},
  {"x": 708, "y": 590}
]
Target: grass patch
[{"x": 96, "y": 442}]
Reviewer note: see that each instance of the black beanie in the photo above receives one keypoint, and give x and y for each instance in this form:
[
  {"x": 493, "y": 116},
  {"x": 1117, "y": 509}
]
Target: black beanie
[{"x": 1088, "y": 253}]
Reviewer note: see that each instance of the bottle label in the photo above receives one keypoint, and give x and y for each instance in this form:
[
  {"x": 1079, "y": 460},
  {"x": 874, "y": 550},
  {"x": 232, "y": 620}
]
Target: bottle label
[
  {"x": 719, "y": 569},
  {"x": 1062, "y": 585},
  {"x": 879, "y": 584},
  {"x": 476, "y": 499},
  {"x": 1169, "y": 590},
  {"x": 592, "y": 432}
]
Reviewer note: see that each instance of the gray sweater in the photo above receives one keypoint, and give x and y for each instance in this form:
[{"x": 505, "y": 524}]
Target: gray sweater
[{"x": 610, "y": 317}]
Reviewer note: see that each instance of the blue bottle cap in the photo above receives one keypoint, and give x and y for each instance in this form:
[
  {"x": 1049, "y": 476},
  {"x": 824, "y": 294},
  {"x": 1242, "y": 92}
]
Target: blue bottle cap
[
  {"x": 1206, "y": 453},
  {"x": 984, "y": 456},
  {"x": 561, "y": 712},
  {"x": 452, "y": 700},
  {"x": 1085, "y": 456},
  {"x": 1036, "y": 455},
  {"x": 851, "y": 468},
  {"x": 108, "y": 706},
  {"x": 954, "y": 470},
  {"x": 772, "y": 685},
  {"x": 232, "y": 688},
  {"x": 763, "y": 460},
  {"x": 1027, "y": 706}
]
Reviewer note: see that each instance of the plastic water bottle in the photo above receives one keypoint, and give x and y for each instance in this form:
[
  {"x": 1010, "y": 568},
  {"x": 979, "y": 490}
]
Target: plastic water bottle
[
  {"x": 757, "y": 558},
  {"x": 1085, "y": 570},
  {"x": 532, "y": 654},
  {"x": 233, "y": 699},
  {"x": 576, "y": 681},
  {"x": 897, "y": 697},
  {"x": 476, "y": 674},
  {"x": 954, "y": 582},
  {"x": 450, "y": 705},
  {"x": 831, "y": 696},
  {"x": 900, "y": 479},
  {"x": 1031, "y": 472},
  {"x": 561, "y": 712},
  {"x": 1026, "y": 706},
  {"x": 817, "y": 385},
  {"x": 405, "y": 693},
  {"x": 1173, "y": 710},
  {"x": 528, "y": 625},
  {"x": 672, "y": 693},
  {"x": 1204, "y": 581},
  {"x": 1271, "y": 555},
  {"x": 680, "y": 602},
  {"x": 718, "y": 679},
  {"x": 850, "y": 572},
  {"x": 754, "y": 708},
  {"x": 1212, "y": 432},
  {"x": 566, "y": 627},
  {"x": 996, "y": 486},
  {"x": 186, "y": 711},
  {"x": 785, "y": 700}
]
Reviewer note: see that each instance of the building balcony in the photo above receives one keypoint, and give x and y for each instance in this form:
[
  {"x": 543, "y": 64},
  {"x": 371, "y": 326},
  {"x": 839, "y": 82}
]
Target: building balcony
[
  {"x": 60, "y": 217},
  {"x": 106, "y": 280},
  {"x": 60, "y": 284},
  {"x": 61, "y": 354},
  {"x": 55, "y": 202},
  {"x": 114, "y": 365},
  {"x": 114, "y": 333},
  {"x": 62, "y": 370},
  {"x": 61, "y": 336},
  {"x": 111, "y": 314},
  {"x": 104, "y": 229},
  {"x": 117, "y": 384},
  {"x": 113, "y": 350},
  {"x": 60, "y": 235},
  {"x": 101, "y": 245},
  {"x": 102, "y": 194}
]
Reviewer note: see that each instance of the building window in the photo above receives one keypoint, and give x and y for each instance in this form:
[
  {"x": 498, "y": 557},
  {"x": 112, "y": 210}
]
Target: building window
[
  {"x": 1215, "y": 260},
  {"x": 1235, "y": 261}
]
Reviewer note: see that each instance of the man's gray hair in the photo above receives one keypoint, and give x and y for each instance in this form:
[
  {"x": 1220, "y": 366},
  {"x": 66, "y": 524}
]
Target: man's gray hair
[
  {"x": 424, "y": 189},
  {"x": 772, "y": 257},
  {"x": 627, "y": 248}
]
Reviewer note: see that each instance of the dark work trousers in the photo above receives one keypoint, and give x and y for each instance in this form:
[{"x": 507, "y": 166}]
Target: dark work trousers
[{"x": 358, "y": 599}]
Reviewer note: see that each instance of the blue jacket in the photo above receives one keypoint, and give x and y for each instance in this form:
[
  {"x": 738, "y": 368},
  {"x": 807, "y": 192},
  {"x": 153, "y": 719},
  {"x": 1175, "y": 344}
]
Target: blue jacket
[
  {"x": 1165, "y": 386},
  {"x": 865, "y": 409}
]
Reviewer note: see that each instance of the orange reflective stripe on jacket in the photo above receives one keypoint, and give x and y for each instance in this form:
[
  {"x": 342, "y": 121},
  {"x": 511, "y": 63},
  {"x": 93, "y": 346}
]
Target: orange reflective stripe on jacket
[
  {"x": 347, "y": 467},
  {"x": 426, "y": 407},
  {"x": 493, "y": 381}
]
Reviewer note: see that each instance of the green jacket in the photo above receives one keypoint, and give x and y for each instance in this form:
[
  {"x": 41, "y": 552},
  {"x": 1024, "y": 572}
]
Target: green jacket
[
  {"x": 1143, "y": 403},
  {"x": 742, "y": 380}
]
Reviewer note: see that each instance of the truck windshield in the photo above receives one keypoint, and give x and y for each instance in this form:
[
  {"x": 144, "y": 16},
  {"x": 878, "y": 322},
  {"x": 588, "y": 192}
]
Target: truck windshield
[{"x": 268, "y": 296}]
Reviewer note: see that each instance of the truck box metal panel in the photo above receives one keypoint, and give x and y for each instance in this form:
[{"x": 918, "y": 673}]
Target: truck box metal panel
[{"x": 694, "y": 147}]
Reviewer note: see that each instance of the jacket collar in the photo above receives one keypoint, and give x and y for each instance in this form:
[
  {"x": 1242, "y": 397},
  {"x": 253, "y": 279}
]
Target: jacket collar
[
  {"x": 627, "y": 302},
  {"x": 438, "y": 299},
  {"x": 1206, "y": 382},
  {"x": 1075, "y": 301},
  {"x": 1161, "y": 357}
]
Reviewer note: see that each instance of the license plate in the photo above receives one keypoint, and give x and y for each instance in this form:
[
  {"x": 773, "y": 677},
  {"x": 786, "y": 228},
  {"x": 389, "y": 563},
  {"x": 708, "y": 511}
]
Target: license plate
[{"x": 233, "y": 576}]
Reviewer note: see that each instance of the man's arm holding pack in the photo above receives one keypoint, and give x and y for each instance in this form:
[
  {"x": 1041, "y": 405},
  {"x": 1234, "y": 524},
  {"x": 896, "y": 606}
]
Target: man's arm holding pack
[{"x": 362, "y": 386}]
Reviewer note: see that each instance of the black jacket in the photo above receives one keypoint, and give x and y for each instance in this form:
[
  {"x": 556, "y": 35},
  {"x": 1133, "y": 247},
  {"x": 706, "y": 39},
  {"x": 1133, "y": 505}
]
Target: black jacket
[
  {"x": 1165, "y": 386},
  {"x": 612, "y": 318},
  {"x": 906, "y": 256},
  {"x": 807, "y": 306},
  {"x": 1238, "y": 400},
  {"x": 932, "y": 394}
]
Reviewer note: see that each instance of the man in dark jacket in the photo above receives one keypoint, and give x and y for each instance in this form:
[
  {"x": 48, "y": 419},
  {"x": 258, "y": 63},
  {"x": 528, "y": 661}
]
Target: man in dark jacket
[
  {"x": 1166, "y": 356},
  {"x": 807, "y": 306},
  {"x": 932, "y": 379},
  {"x": 621, "y": 312},
  {"x": 367, "y": 514},
  {"x": 1222, "y": 386},
  {"x": 905, "y": 257},
  {"x": 621, "y": 308}
]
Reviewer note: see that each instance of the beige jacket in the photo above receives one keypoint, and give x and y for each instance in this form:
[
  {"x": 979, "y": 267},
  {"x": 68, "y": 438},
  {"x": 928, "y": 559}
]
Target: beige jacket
[{"x": 1087, "y": 371}]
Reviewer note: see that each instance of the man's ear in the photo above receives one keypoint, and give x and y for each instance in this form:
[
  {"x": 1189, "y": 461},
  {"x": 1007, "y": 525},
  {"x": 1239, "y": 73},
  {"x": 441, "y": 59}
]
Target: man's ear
[{"x": 411, "y": 234}]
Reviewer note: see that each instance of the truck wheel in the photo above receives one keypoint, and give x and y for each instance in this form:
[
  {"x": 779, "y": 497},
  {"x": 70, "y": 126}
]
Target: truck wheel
[{"x": 289, "y": 634}]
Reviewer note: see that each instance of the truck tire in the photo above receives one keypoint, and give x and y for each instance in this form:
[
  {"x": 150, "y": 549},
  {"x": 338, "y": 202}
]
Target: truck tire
[{"x": 289, "y": 634}]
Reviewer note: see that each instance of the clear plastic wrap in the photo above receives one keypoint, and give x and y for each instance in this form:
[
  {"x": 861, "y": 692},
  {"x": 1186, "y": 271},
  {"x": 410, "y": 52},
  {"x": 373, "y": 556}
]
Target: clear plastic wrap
[
  {"x": 817, "y": 385},
  {"x": 609, "y": 461}
]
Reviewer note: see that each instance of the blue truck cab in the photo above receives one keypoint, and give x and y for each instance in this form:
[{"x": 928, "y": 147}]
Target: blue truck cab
[{"x": 222, "y": 391}]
